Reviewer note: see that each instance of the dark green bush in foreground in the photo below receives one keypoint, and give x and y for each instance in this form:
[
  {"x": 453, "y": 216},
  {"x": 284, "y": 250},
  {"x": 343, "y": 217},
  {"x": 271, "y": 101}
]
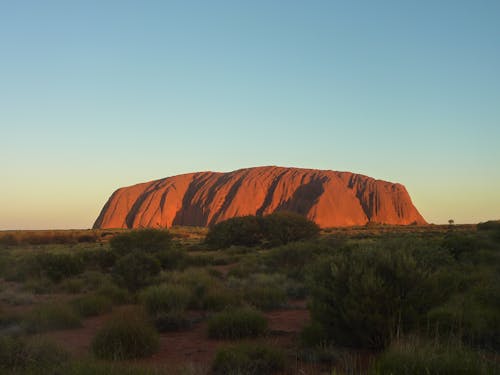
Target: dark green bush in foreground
[
  {"x": 143, "y": 240},
  {"x": 248, "y": 359},
  {"x": 366, "y": 297},
  {"x": 236, "y": 324},
  {"x": 158, "y": 299},
  {"x": 29, "y": 356},
  {"x": 49, "y": 317},
  {"x": 126, "y": 335},
  {"x": 431, "y": 358}
]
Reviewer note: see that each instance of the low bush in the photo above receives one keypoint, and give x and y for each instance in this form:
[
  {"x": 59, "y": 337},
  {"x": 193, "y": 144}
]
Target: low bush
[
  {"x": 248, "y": 359},
  {"x": 266, "y": 297},
  {"x": 264, "y": 291},
  {"x": 171, "y": 259},
  {"x": 165, "y": 298},
  {"x": 50, "y": 316},
  {"x": 415, "y": 357},
  {"x": 218, "y": 299},
  {"x": 72, "y": 286},
  {"x": 126, "y": 335},
  {"x": 29, "y": 356},
  {"x": 293, "y": 259},
  {"x": 113, "y": 292},
  {"x": 94, "y": 367},
  {"x": 142, "y": 240},
  {"x": 276, "y": 229},
  {"x": 91, "y": 305},
  {"x": 101, "y": 259},
  {"x": 60, "y": 266},
  {"x": 237, "y": 231},
  {"x": 237, "y": 323},
  {"x": 136, "y": 270},
  {"x": 281, "y": 228},
  {"x": 368, "y": 296}
]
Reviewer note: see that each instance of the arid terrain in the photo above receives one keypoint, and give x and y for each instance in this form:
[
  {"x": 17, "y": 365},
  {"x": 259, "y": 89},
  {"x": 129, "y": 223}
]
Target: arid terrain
[{"x": 59, "y": 290}]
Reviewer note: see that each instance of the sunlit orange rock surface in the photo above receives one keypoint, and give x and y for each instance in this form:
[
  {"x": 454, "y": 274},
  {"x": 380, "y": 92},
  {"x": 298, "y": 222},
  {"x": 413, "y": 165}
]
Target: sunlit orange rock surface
[{"x": 329, "y": 198}]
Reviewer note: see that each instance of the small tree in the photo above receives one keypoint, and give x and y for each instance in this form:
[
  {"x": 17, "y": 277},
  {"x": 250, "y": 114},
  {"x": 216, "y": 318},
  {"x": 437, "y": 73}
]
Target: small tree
[
  {"x": 144, "y": 240},
  {"x": 136, "y": 270},
  {"x": 451, "y": 221},
  {"x": 367, "y": 297}
]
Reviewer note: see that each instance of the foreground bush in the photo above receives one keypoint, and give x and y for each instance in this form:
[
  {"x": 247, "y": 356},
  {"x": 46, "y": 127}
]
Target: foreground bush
[
  {"x": 92, "y": 367},
  {"x": 126, "y": 335},
  {"x": 165, "y": 298},
  {"x": 236, "y": 324},
  {"x": 272, "y": 230},
  {"x": 142, "y": 240},
  {"x": 29, "y": 356},
  {"x": 49, "y": 317},
  {"x": 367, "y": 297},
  {"x": 91, "y": 305},
  {"x": 246, "y": 359},
  {"x": 415, "y": 357},
  {"x": 136, "y": 270}
]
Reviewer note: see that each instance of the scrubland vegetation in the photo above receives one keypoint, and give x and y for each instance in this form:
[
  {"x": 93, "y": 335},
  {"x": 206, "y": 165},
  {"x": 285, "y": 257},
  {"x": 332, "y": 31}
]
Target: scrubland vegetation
[{"x": 252, "y": 296}]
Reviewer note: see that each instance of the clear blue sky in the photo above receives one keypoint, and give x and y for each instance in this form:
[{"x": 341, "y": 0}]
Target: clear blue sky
[{"x": 95, "y": 95}]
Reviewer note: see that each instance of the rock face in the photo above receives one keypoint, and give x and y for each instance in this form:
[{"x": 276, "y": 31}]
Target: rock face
[{"x": 329, "y": 198}]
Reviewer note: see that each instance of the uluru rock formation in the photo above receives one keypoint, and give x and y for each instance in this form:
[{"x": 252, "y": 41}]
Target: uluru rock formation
[{"x": 329, "y": 198}]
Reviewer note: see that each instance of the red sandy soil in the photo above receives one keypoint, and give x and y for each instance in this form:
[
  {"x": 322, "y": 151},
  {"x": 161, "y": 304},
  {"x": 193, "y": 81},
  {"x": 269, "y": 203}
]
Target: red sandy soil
[{"x": 192, "y": 346}]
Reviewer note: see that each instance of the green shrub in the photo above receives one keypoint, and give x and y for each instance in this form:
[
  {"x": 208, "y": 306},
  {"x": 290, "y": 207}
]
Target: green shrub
[
  {"x": 276, "y": 229},
  {"x": 469, "y": 318},
  {"x": 460, "y": 245},
  {"x": 266, "y": 297},
  {"x": 409, "y": 358},
  {"x": 248, "y": 359},
  {"x": 94, "y": 367},
  {"x": 29, "y": 356},
  {"x": 113, "y": 292},
  {"x": 142, "y": 240},
  {"x": 281, "y": 228},
  {"x": 237, "y": 323},
  {"x": 41, "y": 285},
  {"x": 73, "y": 285},
  {"x": 50, "y": 316},
  {"x": 172, "y": 258},
  {"x": 198, "y": 281},
  {"x": 136, "y": 270},
  {"x": 366, "y": 297},
  {"x": 99, "y": 259},
  {"x": 220, "y": 298},
  {"x": 60, "y": 266},
  {"x": 126, "y": 335},
  {"x": 313, "y": 335},
  {"x": 159, "y": 299},
  {"x": 91, "y": 305},
  {"x": 237, "y": 231}
]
